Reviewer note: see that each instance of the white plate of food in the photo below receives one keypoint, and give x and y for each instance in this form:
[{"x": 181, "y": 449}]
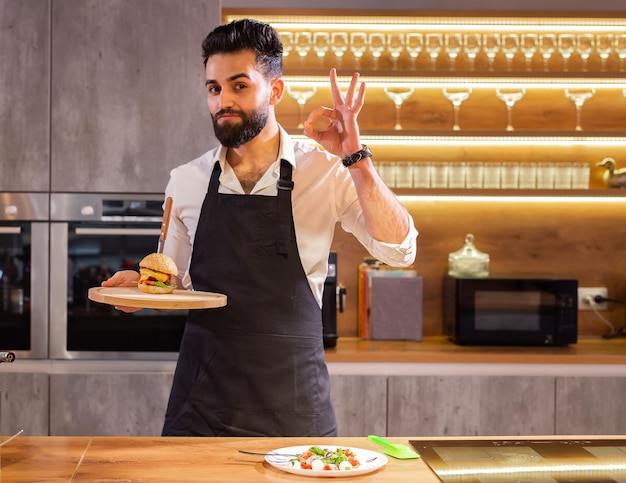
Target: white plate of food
[
  {"x": 326, "y": 461},
  {"x": 178, "y": 299}
]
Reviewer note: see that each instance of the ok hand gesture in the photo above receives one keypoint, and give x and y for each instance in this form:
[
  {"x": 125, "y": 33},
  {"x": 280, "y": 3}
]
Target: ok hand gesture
[{"x": 341, "y": 136}]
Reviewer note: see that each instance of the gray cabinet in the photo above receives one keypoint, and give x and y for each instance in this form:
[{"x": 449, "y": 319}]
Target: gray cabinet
[
  {"x": 101, "y": 95},
  {"x": 108, "y": 404},
  {"x": 24, "y": 95},
  {"x": 590, "y": 405},
  {"x": 134, "y": 403},
  {"x": 128, "y": 97},
  {"x": 470, "y": 405},
  {"x": 360, "y": 404},
  {"x": 24, "y": 403}
]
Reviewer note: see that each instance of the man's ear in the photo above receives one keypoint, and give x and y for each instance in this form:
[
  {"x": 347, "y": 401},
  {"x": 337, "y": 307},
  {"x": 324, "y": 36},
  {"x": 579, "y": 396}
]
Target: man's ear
[{"x": 277, "y": 90}]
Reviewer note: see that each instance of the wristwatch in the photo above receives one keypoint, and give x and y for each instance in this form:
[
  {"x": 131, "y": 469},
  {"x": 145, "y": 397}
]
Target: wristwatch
[{"x": 356, "y": 157}]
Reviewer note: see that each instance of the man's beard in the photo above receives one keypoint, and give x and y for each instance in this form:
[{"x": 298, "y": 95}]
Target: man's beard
[{"x": 232, "y": 135}]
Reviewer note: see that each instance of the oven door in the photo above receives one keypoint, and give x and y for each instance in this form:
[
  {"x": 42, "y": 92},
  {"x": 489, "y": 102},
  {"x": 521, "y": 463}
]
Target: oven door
[
  {"x": 85, "y": 254},
  {"x": 24, "y": 288}
]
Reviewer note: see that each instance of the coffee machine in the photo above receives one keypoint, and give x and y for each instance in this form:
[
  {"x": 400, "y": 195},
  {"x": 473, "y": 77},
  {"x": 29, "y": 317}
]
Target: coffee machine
[{"x": 332, "y": 302}]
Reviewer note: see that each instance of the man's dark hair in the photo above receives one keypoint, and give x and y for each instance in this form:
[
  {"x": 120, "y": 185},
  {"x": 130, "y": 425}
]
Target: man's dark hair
[{"x": 247, "y": 34}]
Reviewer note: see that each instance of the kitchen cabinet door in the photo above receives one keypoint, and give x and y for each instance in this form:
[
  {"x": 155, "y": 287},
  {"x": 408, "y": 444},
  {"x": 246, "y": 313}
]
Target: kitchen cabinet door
[
  {"x": 470, "y": 405},
  {"x": 24, "y": 95},
  {"x": 23, "y": 403},
  {"x": 590, "y": 405},
  {"x": 108, "y": 404},
  {"x": 360, "y": 404},
  {"x": 128, "y": 96}
]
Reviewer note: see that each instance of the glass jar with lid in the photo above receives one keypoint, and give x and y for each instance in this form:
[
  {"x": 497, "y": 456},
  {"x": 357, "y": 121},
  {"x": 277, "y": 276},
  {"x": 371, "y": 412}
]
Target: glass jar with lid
[{"x": 468, "y": 261}]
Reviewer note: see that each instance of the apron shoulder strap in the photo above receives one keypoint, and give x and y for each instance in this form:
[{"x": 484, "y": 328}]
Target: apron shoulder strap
[{"x": 284, "y": 215}]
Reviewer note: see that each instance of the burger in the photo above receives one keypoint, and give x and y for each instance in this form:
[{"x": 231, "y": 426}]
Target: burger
[{"x": 155, "y": 274}]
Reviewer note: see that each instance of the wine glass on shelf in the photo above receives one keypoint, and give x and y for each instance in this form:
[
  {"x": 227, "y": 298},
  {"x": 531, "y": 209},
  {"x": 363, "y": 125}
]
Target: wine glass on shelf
[
  {"x": 471, "y": 46},
  {"x": 456, "y": 96},
  {"x": 376, "y": 46},
  {"x": 491, "y": 47},
  {"x": 453, "y": 44},
  {"x": 301, "y": 95},
  {"x": 414, "y": 45},
  {"x": 434, "y": 45},
  {"x": 604, "y": 48},
  {"x": 529, "y": 49},
  {"x": 303, "y": 44},
  {"x": 510, "y": 97},
  {"x": 620, "y": 49},
  {"x": 395, "y": 46},
  {"x": 566, "y": 46},
  {"x": 547, "y": 46},
  {"x": 579, "y": 97},
  {"x": 321, "y": 45},
  {"x": 358, "y": 46},
  {"x": 584, "y": 47},
  {"x": 510, "y": 46},
  {"x": 398, "y": 95},
  {"x": 286, "y": 39},
  {"x": 339, "y": 45}
]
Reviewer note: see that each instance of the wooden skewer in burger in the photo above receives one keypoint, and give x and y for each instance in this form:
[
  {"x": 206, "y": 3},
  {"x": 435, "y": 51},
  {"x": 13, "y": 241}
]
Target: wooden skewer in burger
[{"x": 156, "y": 270}]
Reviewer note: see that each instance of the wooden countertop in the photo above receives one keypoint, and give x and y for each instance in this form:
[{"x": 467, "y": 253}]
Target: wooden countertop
[
  {"x": 440, "y": 349},
  {"x": 158, "y": 459},
  {"x": 74, "y": 459}
]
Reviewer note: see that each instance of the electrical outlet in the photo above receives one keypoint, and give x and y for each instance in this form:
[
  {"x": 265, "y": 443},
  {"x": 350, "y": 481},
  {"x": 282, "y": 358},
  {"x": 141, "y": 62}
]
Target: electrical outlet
[{"x": 593, "y": 291}]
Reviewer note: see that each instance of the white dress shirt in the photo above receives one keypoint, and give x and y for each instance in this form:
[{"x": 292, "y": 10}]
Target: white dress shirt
[{"x": 323, "y": 195}]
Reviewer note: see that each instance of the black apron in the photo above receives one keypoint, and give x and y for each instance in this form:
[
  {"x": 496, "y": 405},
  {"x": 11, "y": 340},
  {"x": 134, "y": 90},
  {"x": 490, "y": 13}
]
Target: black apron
[{"x": 256, "y": 366}]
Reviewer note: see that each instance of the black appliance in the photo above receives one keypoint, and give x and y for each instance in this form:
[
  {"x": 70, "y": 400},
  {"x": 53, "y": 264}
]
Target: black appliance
[
  {"x": 24, "y": 277},
  {"x": 332, "y": 301},
  {"x": 93, "y": 235},
  {"x": 510, "y": 310}
]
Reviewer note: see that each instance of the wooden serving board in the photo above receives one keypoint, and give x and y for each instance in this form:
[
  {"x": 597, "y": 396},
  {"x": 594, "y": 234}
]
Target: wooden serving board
[{"x": 179, "y": 299}]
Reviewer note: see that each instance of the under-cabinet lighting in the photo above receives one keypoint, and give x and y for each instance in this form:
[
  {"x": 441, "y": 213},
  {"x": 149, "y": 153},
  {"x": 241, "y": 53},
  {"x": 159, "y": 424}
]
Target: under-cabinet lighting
[
  {"x": 473, "y": 24},
  {"x": 491, "y": 140},
  {"x": 477, "y": 82},
  {"x": 504, "y": 198}
]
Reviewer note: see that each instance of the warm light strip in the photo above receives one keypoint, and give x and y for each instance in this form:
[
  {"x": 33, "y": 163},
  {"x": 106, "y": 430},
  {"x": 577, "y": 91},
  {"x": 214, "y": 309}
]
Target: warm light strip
[
  {"x": 488, "y": 140},
  {"x": 479, "y": 83},
  {"x": 534, "y": 469},
  {"x": 499, "y": 24},
  {"x": 513, "y": 198}
]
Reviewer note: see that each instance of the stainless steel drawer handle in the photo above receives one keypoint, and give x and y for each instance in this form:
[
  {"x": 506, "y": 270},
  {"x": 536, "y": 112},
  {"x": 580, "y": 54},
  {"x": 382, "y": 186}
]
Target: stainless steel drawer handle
[{"x": 118, "y": 231}]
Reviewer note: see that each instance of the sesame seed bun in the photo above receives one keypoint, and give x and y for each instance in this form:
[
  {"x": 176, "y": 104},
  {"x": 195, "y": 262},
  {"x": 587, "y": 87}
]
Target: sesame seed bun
[{"x": 159, "y": 263}]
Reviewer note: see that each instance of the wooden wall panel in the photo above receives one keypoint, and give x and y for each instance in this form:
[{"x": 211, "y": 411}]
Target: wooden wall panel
[{"x": 584, "y": 240}]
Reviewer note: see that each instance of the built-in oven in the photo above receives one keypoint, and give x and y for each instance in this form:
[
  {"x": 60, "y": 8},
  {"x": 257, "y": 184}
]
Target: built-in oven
[
  {"x": 92, "y": 236},
  {"x": 24, "y": 252}
]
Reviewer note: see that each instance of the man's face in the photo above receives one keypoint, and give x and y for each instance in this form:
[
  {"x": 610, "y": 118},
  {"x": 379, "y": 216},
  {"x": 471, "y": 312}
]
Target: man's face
[{"x": 238, "y": 97}]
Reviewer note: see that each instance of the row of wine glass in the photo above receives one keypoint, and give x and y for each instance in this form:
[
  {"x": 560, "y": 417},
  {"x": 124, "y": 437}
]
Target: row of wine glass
[
  {"x": 456, "y": 95},
  {"x": 478, "y": 175},
  {"x": 435, "y": 44}
]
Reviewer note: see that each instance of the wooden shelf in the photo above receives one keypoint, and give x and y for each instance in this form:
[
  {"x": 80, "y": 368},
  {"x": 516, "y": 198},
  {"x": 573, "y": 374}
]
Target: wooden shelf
[
  {"x": 408, "y": 136},
  {"x": 618, "y": 194},
  {"x": 439, "y": 349}
]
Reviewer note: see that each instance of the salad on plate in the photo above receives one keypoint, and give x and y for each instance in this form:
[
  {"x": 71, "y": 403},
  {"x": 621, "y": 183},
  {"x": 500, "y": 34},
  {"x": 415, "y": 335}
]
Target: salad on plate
[{"x": 316, "y": 458}]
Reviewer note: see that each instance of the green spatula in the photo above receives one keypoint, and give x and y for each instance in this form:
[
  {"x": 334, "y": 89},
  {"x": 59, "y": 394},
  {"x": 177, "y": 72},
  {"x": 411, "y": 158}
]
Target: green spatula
[{"x": 399, "y": 451}]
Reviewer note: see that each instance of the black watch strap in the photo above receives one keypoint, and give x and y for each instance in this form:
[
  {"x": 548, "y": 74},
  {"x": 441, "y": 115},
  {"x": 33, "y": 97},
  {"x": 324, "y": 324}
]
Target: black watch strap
[{"x": 356, "y": 157}]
